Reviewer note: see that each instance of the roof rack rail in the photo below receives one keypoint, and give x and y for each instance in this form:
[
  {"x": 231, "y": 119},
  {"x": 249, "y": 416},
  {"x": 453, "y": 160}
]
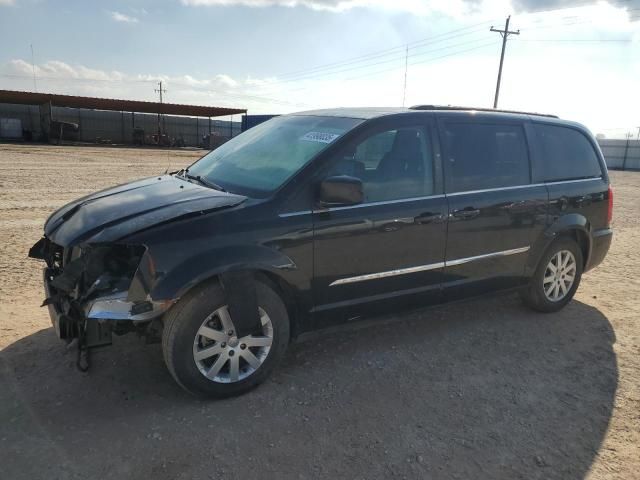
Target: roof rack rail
[{"x": 478, "y": 109}]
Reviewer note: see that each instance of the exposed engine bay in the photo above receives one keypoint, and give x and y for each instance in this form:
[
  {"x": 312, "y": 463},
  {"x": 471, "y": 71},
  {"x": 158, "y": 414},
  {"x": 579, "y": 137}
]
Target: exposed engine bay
[{"x": 94, "y": 290}]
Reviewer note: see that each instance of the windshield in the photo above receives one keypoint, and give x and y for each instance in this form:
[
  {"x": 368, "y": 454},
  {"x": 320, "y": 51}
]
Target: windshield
[{"x": 260, "y": 160}]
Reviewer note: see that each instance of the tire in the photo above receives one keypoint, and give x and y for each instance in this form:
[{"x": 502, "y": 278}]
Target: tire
[
  {"x": 536, "y": 295},
  {"x": 188, "y": 352}
]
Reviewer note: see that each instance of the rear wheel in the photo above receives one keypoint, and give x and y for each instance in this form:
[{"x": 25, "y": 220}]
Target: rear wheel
[
  {"x": 556, "y": 278},
  {"x": 203, "y": 352}
]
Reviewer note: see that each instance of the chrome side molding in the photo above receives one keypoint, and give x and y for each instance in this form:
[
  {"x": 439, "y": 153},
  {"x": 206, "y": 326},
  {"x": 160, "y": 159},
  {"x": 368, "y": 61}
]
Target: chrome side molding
[
  {"x": 503, "y": 253},
  {"x": 390, "y": 273},
  {"x": 430, "y": 266}
]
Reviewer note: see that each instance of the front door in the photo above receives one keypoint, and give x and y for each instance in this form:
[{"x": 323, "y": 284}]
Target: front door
[
  {"x": 495, "y": 212},
  {"x": 389, "y": 249}
]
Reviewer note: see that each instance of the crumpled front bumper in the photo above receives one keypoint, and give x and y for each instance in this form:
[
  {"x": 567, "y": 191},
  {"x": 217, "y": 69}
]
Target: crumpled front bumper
[
  {"x": 117, "y": 307},
  {"x": 98, "y": 315},
  {"x": 56, "y": 309}
]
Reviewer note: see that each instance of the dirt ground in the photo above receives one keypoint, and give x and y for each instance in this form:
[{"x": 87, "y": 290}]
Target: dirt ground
[{"x": 482, "y": 389}]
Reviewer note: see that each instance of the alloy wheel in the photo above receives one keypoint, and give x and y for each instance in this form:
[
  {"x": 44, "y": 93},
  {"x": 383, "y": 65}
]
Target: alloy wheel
[
  {"x": 559, "y": 275},
  {"x": 221, "y": 356}
]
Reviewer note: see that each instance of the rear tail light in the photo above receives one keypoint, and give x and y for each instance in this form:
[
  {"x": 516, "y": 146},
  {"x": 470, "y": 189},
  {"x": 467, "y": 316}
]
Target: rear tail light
[{"x": 610, "y": 206}]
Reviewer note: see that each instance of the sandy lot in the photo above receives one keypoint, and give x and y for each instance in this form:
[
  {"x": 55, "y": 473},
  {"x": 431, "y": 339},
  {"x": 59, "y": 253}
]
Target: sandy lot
[{"x": 480, "y": 389}]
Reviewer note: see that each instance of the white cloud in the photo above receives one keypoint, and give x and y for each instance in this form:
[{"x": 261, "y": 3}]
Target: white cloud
[
  {"x": 121, "y": 17},
  {"x": 260, "y": 82},
  {"x": 453, "y": 8},
  {"x": 414, "y": 6},
  {"x": 540, "y": 75},
  {"x": 225, "y": 80},
  {"x": 54, "y": 69},
  {"x": 6, "y": 3},
  {"x": 55, "y": 76}
]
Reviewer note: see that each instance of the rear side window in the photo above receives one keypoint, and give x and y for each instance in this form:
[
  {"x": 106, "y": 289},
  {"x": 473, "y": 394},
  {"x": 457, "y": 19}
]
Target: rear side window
[
  {"x": 481, "y": 156},
  {"x": 565, "y": 154}
]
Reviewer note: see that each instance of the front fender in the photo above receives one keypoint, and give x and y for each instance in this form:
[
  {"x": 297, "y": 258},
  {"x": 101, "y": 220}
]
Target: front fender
[
  {"x": 573, "y": 223},
  {"x": 180, "y": 278}
]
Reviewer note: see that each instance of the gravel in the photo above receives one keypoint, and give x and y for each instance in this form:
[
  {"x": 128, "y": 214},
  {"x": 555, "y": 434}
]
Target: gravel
[{"x": 478, "y": 389}]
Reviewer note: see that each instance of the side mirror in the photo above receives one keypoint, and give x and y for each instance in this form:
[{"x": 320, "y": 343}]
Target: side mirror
[{"x": 341, "y": 190}]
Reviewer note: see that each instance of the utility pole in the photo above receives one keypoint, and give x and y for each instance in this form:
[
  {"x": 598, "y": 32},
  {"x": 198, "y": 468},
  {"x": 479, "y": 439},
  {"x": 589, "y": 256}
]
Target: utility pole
[
  {"x": 159, "y": 90},
  {"x": 626, "y": 150},
  {"x": 505, "y": 34}
]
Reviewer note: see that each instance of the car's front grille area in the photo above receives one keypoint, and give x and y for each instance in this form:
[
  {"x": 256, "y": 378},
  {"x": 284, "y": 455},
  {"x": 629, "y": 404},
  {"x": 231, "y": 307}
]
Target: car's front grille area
[{"x": 54, "y": 255}]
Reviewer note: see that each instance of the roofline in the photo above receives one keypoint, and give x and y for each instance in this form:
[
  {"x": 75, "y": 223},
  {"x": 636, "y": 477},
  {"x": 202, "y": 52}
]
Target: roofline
[
  {"x": 93, "y": 103},
  {"x": 478, "y": 109}
]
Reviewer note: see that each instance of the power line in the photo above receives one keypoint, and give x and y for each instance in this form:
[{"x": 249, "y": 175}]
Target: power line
[
  {"x": 342, "y": 67},
  {"x": 390, "y": 51},
  {"x": 358, "y": 64},
  {"x": 379, "y": 72},
  {"x": 429, "y": 52},
  {"x": 347, "y": 65},
  {"x": 577, "y": 40},
  {"x": 505, "y": 34},
  {"x": 396, "y": 59}
]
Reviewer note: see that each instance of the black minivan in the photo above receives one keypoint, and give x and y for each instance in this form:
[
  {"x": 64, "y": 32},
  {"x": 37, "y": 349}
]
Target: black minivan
[{"x": 316, "y": 218}]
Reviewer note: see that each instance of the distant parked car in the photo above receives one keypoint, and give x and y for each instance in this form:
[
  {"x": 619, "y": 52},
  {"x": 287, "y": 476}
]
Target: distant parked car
[{"x": 311, "y": 219}]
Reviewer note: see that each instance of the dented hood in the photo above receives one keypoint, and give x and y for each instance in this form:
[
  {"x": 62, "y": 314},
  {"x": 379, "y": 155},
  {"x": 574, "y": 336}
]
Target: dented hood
[{"x": 120, "y": 211}]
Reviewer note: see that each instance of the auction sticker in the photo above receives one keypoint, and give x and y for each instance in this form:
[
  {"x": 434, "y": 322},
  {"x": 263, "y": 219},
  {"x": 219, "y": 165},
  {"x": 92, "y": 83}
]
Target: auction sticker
[{"x": 319, "y": 137}]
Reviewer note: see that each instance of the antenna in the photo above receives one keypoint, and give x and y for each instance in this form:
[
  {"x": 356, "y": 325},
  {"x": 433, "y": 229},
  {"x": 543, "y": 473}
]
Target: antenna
[
  {"x": 406, "y": 65},
  {"x": 33, "y": 67}
]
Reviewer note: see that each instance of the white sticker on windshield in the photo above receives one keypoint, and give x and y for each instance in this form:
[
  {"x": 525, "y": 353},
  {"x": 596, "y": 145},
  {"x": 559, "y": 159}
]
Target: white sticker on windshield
[{"x": 319, "y": 137}]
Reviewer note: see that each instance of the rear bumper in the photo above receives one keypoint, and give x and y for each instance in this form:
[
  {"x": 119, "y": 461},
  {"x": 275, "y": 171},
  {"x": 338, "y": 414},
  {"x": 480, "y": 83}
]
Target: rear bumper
[{"x": 600, "y": 243}]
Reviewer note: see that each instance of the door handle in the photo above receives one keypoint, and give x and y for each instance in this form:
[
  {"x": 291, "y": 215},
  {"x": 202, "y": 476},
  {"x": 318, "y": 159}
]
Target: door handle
[
  {"x": 580, "y": 201},
  {"x": 561, "y": 202},
  {"x": 428, "y": 217},
  {"x": 465, "y": 213}
]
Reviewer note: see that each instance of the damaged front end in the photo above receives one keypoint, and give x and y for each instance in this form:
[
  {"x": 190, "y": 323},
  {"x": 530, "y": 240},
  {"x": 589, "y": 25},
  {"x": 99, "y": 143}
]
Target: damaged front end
[{"x": 95, "y": 290}]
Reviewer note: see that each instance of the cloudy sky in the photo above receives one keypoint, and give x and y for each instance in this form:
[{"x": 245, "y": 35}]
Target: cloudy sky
[{"x": 576, "y": 58}]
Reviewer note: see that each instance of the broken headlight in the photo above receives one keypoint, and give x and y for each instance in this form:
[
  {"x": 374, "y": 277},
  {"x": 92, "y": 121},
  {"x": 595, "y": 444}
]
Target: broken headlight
[{"x": 99, "y": 269}]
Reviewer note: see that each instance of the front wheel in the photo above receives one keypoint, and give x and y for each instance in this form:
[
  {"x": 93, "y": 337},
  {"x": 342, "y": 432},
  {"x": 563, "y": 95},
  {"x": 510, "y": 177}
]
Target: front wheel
[
  {"x": 556, "y": 278},
  {"x": 203, "y": 353}
]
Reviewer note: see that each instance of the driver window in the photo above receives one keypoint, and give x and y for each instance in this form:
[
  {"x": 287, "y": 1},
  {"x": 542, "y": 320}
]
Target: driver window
[{"x": 393, "y": 164}]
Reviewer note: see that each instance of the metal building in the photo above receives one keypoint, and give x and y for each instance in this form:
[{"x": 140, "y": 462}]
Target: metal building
[
  {"x": 621, "y": 154},
  {"x": 44, "y": 116}
]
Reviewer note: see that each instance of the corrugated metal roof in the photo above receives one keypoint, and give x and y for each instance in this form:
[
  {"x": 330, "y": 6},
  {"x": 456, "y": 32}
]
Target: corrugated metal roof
[{"x": 32, "y": 98}]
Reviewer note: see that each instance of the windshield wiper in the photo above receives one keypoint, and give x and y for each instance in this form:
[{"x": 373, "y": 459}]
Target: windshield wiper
[{"x": 203, "y": 181}]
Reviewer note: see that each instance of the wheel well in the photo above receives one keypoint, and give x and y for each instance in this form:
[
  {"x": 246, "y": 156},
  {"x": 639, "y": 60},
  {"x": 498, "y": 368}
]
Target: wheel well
[
  {"x": 280, "y": 286},
  {"x": 581, "y": 238},
  {"x": 286, "y": 293}
]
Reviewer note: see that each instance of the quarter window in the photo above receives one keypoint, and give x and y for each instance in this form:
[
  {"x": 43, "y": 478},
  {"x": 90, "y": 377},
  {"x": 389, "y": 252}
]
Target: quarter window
[
  {"x": 393, "y": 164},
  {"x": 482, "y": 156},
  {"x": 565, "y": 154}
]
